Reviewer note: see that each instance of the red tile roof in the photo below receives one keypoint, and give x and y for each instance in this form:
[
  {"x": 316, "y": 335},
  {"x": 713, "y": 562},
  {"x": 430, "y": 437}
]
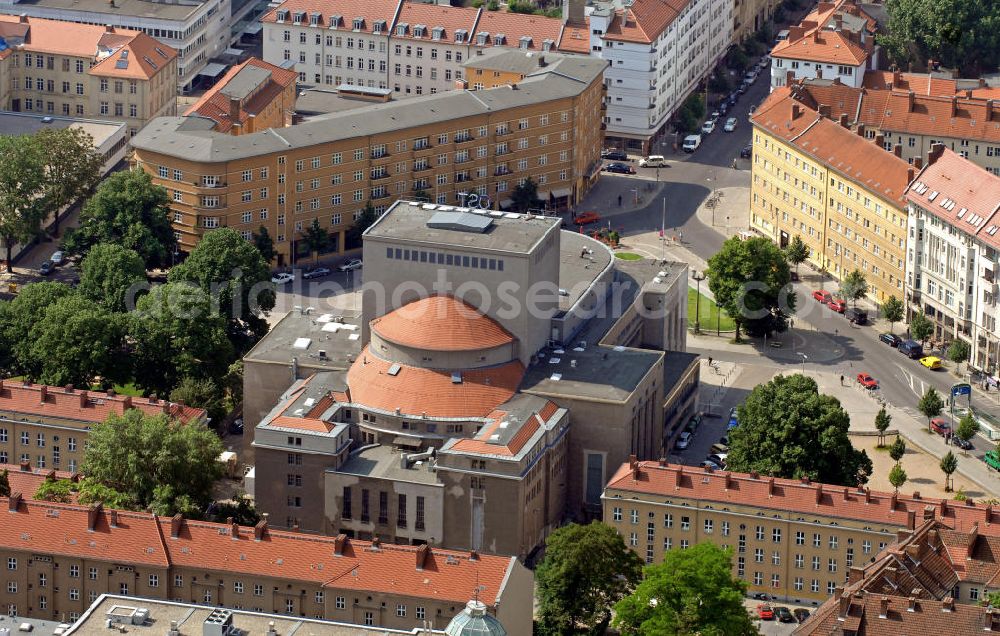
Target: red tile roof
[
  {"x": 141, "y": 57},
  {"x": 962, "y": 194},
  {"x": 27, "y": 482},
  {"x": 441, "y": 323},
  {"x": 82, "y": 406},
  {"x": 644, "y": 21},
  {"x": 514, "y": 26},
  {"x": 830, "y": 47},
  {"x": 932, "y": 115},
  {"x": 789, "y": 495},
  {"x": 920, "y": 83},
  {"x": 480, "y": 443},
  {"x": 575, "y": 38},
  {"x": 141, "y": 538},
  {"x": 370, "y": 11},
  {"x": 414, "y": 390},
  {"x": 777, "y": 114},
  {"x": 865, "y": 613},
  {"x": 215, "y": 105},
  {"x": 437, "y": 15}
]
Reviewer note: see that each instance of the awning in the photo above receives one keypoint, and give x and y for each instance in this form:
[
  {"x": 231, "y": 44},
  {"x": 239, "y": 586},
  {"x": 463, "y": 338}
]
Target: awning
[
  {"x": 561, "y": 193},
  {"x": 253, "y": 28},
  {"x": 407, "y": 442},
  {"x": 212, "y": 69}
]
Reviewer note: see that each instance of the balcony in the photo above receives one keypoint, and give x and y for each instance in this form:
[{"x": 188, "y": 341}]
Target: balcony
[
  {"x": 418, "y": 167},
  {"x": 421, "y": 144},
  {"x": 501, "y": 170},
  {"x": 463, "y": 139},
  {"x": 379, "y": 154},
  {"x": 503, "y": 131},
  {"x": 380, "y": 175}
]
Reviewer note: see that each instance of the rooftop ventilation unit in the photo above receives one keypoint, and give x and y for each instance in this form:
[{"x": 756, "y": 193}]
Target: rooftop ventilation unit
[
  {"x": 218, "y": 623},
  {"x": 456, "y": 378},
  {"x": 394, "y": 370},
  {"x": 459, "y": 222}
]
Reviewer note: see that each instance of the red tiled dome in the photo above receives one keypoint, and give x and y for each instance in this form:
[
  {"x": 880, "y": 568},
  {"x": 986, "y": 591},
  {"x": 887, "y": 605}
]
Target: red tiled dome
[{"x": 441, "y": 323}]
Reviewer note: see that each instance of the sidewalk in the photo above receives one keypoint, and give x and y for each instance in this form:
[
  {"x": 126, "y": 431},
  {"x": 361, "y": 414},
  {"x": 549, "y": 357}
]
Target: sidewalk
[{"x": 603, "y": 197}]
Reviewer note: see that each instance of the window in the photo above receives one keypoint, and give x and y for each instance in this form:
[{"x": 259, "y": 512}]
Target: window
[
  {"x": 815, "y": 563},
  {"x": 760, "y": 533},
  {"x": 178, "y": 580},
  {"x": 709, "y": 526},
  {"x": 92, "y": 574},
  {"x": 74, "y": 594},
  {"x": 12, "y": 563},
  {"x": 668, "y": 520},
  {"x": 800, "y": 538},
  {"x": 685, "y": 523},
  {"x": 258, "y": 589},
  {"x": 154, "y": 580},
  {"x": 799, "y": 561},
  {"x": 633, "y": 516},
  {"x": 400, "y": 610},
  {"x": 341, "y": 602},
  {"x": 817, "y": 540},
  {"x": 833, "y": 542},
  {"x": 973, "y": 593},
  {"x": 758, "y": 555},
  {"x": 318, "y": 597}
]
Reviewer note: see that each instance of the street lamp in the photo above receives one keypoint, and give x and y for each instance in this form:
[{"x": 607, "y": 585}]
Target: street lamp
[
  {"x": 718, "y": 318},
  {"x": 698, "y": 277},
  {"x": 804, "y": 358}
]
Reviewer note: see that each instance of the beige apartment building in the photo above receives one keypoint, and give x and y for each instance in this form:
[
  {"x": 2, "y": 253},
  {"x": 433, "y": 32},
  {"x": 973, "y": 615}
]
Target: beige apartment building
[
  {"x": 61, "y": 68},
  {"x": 448, "y": 145},
  {"x": 796, "y": 540},
  {"x": 841, "y": 193},
  {"x": 46, "y": 426},
  {"x": 59, "y": 558}
]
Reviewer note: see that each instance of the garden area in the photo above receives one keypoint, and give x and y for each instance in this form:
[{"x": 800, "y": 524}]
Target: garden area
[{"x": 709, "y": 317}]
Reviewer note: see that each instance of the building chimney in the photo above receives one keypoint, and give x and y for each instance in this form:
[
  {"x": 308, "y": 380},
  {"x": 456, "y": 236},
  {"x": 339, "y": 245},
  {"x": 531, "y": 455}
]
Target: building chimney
[
  {"x": 13, "y": 501},
  {"x": 376, "y": 542},
  {"x": 260, "y": 530},
  {"x": 770, "y": 486},
  {"x": 111, "y": 393},
  {"x": 25, "y": 466},
  {"x": 114, "y": 518},
  {"x": 929, "y": 510},
  {"x": 918, "y": 163},
  {"x": 892, "y": 501},
  {"x": 912, "y": 550},
  {"x": 843, "y": 120},
  {"x": 422, "y": 552},
  {"x": 541, "y": 61},
  {"x": 910, "y": 172},
  {"x": 947, "y": 604},
  {"x": 880, "y": 140},
  {"x": 176, "y": 523},
  {"x": 110, "y": 27},
  {"x": 911, "y": 604},
  {"x": 989, "y": 110},
  {"x": 234, "y": 110},
  {"x": 992, "y": 619},
  {"x": 339, "y": 543},
  {"x": 819, "y": 494},
  {"x": 860, "y": 129},
  {"x": 897, "y": 149},
  {"x": 883, "y": 607},
  {"x": 23, "y": 18},
  {"x": 911, "y": 519},
  {"x": 574, "y": 11},
  {"x": 855, "y": 574},
  {"x": 165, "y": 407},
  {"x": 126, "y": 403},
  {"x": 934, "y": 153},
  {"x": 819, "y": 71},
  {"x": 897, "y": 77},
  {"x": 632, "y": 462},
  {"x": 84, "y": 399},
  {"x": 473, "y": 555},
  {"x": 93, "y": 513},
  {"x": 843, "y": 603},
  {"x": 824, "y": 110},
  {"x": 796, "y": 111},
  {"x": 789, "y": 78},
  {"x": 43, "y": 392},
  {"x": 234, "y": 528},
  {"x": 67, "y": 389},
  {"x": 954, "y": 105}
]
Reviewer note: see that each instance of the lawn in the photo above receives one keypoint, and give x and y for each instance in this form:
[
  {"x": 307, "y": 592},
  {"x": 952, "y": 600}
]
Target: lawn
[
  {"x": 628, "y": 256},
  {"x": 709, "y": 314}
]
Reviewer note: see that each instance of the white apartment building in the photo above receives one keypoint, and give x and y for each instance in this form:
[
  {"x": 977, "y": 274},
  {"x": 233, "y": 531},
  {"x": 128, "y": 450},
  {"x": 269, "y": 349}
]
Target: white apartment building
[
  {"x": 952, "y": 252},
  {"x": 657, "y": 53},
  {"x": 198, "y": 31}
]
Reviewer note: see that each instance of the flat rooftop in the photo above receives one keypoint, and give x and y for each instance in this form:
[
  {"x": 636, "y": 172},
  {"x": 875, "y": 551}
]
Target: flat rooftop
[
  {"x": 407, "y": 222},
  {"x": 123, "y": 8},
  {"x": 581, "y": 260},
  {"x": 28, "y": 124},
  {"x": 38, "y": 627},
  {"x": 384, "y": 462},
  {"x": 303, "y": 335},
  {"x": 591, "y": 372},
  {"x": 315, "y": 101},
  {"x": 190, "y": 621}
]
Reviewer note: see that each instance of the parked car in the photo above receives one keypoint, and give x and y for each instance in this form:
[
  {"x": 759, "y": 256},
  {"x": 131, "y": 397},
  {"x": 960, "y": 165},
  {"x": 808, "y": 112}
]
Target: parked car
[
  {"x": 857, "y": 316},
  {"x": 46, "y": 268},
  {"x": 761, "y": 596},
  {"x": 890, "y": 339},
  {"x": 691, "y": 143},
  {"x": 57, "y": 258},
  {"x": 964, "y": 444},
  {"x": 910, "y": 348},
  {"x": 653, "y": 161},
  {"x": 730, "y": 124},
  {"x": 683, "y": 441},
  {"x": 587, "y": 217},
  {"x": 709, "y": 464},
  {"x": 743, "y": 87},
  {"x": 801, "y": 614},
  {"x": 822, "y": 296},
  {"x": 708, "y": 127},
  {"x": 614, "y": 155},
  {"x": 724, "y": 440},
  {"x": 750, "y": 77},
  {"x": 724, "y": 106},
  {"x": 316, "y": 272},
  {"x": 282, "y": 278},
  {"x": 619, "y": 168},
  {"x": 765, "y": 612},
  {"x": 867, "y": 381},
  {"x": 940, "y": 426},
  {"x": 931, "y": 362},
  {"x": 837, "y": 304},
  {"x": 992, "y": 459},
  {"x": 733, "y": 418},
  {"x": 693, "y": 424},
  {"x": 351, "y": 265},
  {"x": 718, "y": 459},
  {"x": 236, "y": 426},
  {"x": 747, "y": 151},
  {"x": 719, "y": 449},
  {"x": 784, "y": 615}
]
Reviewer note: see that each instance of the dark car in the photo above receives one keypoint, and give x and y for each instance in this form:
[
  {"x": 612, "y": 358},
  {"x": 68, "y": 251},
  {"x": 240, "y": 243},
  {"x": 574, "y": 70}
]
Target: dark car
[
  {"x": 743, "y": 87},
  {"x": 619, "y": 168},
  {"x": 236, "y": 426},
  {"x": 801, "y": 614},
  {"x": 890, "y": 339},
  {"x": 615, "y": 155},
  {"x": 761, "y": 596},
  {"x": 964, "y": 444},
  {"x": 316, "y": 272},
  {"x": 723, "y": 107},
  {"x": 747, "y": 151},
  {"x": 857, "y": 316},
  {"x": 783, "y": 615},
  {"x": 46, "y": 268}
]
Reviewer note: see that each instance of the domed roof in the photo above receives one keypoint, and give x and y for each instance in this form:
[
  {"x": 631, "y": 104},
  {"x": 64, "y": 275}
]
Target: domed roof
[
  {"x": 475, "y": 621},
  {"x": 441, "y": 323}
]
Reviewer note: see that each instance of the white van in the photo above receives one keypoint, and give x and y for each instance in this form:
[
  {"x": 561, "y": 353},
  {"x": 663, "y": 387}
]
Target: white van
[
  {"x": 653, "y": 161},
  {"x": 691, "y": 143}
]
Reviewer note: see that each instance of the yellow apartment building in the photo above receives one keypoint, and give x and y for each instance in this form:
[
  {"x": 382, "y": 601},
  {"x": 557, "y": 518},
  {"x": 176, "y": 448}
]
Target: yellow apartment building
[
  {"x": 841, "y": 193},
  {"x": 448, "y": 145}
]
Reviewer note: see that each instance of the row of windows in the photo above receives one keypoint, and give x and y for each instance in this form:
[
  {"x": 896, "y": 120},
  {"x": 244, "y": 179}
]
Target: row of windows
[
  {"x": 439, "y": 258},
  {"x": 39, "y": 439}
]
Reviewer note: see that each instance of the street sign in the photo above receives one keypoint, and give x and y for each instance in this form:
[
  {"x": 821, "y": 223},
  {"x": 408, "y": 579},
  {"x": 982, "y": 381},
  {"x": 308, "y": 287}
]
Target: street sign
[{"x": 962, "y": 388}]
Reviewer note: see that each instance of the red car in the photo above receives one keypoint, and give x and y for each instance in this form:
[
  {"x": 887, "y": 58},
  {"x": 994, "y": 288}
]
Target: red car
[
  {"x": 587, "y": 217},
  {"x": 940, "y": 426},
  {"x": 822, "y": 296},
  {"x": 837, "y": 305},
  {"x": 867, "y": 381},
  {"x": 765, "y": 612}
]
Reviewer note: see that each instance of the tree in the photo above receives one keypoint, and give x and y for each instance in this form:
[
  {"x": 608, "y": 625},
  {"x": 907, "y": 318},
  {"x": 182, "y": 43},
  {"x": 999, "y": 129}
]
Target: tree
[
  {"x": 202, "y": 393},
  {"x": 364, "y": 221},
  {"x": 788, "y": 429},
  {"x": 958, "y": 352},
  {"x": 854, "y": 286},
  {"x": 897, "y": 449},
  {"x": 316, "y": 238},
  {"x": 22, "y": 169},
  {"x": 930, "y": 405},
  {"x": 993, "y": 599},
  {"x": 892, "y": 310},
  {"x": 72, "y": 168},
  {"x": 690, "y": 114},
  {"x": 5, "y": 483},
  {"x": 57, "y": 490},
  {"x": 949, "y": 464},
  {"x": 75, "y": 341},
  {"x": 150, "y": 461},
  {"x": 738, "y": 60},
  {"x": 241, "y": 509},
  {"x": 897, "y": 477},
  {"x": 265, "y": 245},
  {"x": 130, "y": 210},
  {"x": 175, "y": 334},
  {"x": 967, "y": 428},
  {"x": 750, "y": 279},
  {"x": 586, "y": 570},
  {"x": 921, "y": 327},
  {"x": 232, "y": 382},
  {"x": 797, "y": 252},
  {"x": 691, "y": 592},
  {"x": 238, "y": 280},
  {"x": 959, "y": 34},
  {"x": 882, "y": 421},
  {"x": 17, "y": 319},
  {"x": 525, "y": 196},
  {"x": 112, "y": 275}
]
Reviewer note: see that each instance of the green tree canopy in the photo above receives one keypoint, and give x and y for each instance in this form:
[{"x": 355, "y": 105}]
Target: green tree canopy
[
  {"x": 892, "y": 310},
  {"x": 130, "y": 210},
  {"x": 18, "y": 316},
  {"x": 854, "y": 286},
  {"x": 151, "y": 461},
  {"x": 265, "y": 245},
  {"x": 789, "y": 429},
  {"x": 967, "y": 427},
  {"x": 690, "y": 114},
  {"x": 586, "y": 570},
  {"x": 22, "y": 181},
  {"x": 364, "y": 221},
  {"x": 949, "y": 464},
  {"x": 175, "y": 334},
  {"x": 930, "y": 405},
  {"x": 75, "y": 341},
  {"x": 111, "y": 275},
  {"x": 693, "y": 592},
  {"x": 921, "y": 327},
  {"x": 897, "y": 476},
  {"x": 958, "y": 352},
  {"x": 58, "y": 490},
  {"x": 897, "y": 449},
  {"x": 238, "y": 279},
  {"x": 72, "y": 167},
  {"x": 203, "y": 393},
  {"x": 750, "y": 279},
  {"x": 525, "y": 196},
  {"x": 882, "y": 421},
  {"x": 963, "y": 34},
  {"x": 797, "y": 252},
  {"x": 4, "y": 483},
  {"x": 316, "y": 238}
]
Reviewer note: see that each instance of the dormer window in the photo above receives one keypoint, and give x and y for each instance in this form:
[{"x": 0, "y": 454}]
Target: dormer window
[
  {"x": 298, "y": 16},
  {"x": 359, "y": 23},
  {"x": 525, "y": 41},
  {"x": 460, "y": 36},
  {"x": 401, "y": 28},
  {"x": 335, "y": 21},
  {"x": 498, "y": 39},
  {"x": 282, "y": 15},
  {"x": 419, "y": 31},
  {"x": 547, "y": 45},
  {"x": 438, "y": 33},
  {"x": 313, "y": 19},
  {"x": 379, "y": 26},
  {"x": 481, "y": 38}
]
